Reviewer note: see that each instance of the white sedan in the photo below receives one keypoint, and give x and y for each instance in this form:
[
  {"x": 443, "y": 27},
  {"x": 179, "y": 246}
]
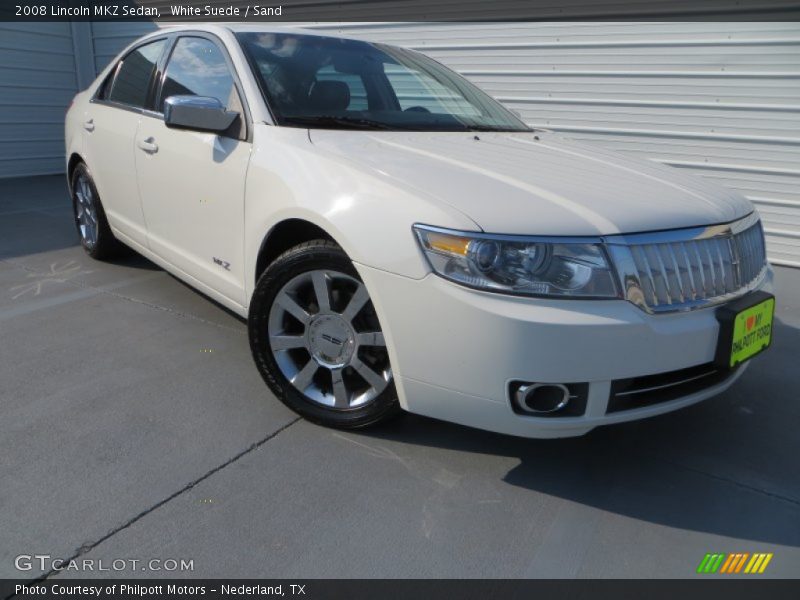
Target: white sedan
[{"x": 397, "y": 239}]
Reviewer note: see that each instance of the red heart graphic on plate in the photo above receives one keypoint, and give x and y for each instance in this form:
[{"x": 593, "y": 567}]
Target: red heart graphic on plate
[{"x": 750, "y": 322}]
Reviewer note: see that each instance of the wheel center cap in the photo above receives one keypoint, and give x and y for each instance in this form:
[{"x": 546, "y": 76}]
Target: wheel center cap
[{"x": 331, "y": 340}]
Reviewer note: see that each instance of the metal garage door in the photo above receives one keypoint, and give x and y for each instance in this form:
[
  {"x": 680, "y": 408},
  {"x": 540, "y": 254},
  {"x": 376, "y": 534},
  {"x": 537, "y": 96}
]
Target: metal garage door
[
  {"x": 37, "y": 81},
  {"x": 42, "y": 66},
  {"x": 719, "y": 99}
]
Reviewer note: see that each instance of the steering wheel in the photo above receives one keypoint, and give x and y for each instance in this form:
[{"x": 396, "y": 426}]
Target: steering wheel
[{"x": 421, "y": 109}]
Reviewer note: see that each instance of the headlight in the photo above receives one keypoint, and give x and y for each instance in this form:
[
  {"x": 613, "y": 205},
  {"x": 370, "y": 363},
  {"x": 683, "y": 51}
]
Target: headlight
[{"x": 519, "y": 265}]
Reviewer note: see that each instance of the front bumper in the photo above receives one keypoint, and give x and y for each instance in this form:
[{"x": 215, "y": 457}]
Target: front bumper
[{"x": 456, "y": 352}]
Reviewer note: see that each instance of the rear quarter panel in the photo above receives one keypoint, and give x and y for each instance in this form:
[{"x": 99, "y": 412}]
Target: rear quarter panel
[{"x": 73, "y": 140}]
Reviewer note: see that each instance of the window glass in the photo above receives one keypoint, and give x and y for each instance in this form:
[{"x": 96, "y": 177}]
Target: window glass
[
  {"x": 197, "y": 67},
  {"x": 317, "y": 81},
  {"x": 418, "y": 91},
  {"x": 133, "y": 76},
  {"x": 358, "y": 94}
]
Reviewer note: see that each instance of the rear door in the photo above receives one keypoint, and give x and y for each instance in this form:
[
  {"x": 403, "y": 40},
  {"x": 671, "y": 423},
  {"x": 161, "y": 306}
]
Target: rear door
[
  {"x": 109, "y": 129},
  {"x": 192, "y": 183}
]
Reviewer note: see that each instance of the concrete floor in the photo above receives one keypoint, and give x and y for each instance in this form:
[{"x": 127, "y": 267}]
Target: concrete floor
[{"x": 133, "y": 425}]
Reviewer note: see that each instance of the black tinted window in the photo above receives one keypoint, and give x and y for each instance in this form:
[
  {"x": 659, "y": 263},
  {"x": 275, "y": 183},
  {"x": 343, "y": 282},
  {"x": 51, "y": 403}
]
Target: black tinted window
[
  {"x": 354, "y": 83},
  {"x": 197, "y": 67},
  {"x": 317, "y": 81},
  {"x": 133, "y": 77}
]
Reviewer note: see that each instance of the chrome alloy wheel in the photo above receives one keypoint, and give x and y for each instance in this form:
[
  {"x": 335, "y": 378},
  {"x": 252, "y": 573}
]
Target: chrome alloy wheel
[
  {"x": 85, "y": 211},
  {"x": 326, "y": 339}
]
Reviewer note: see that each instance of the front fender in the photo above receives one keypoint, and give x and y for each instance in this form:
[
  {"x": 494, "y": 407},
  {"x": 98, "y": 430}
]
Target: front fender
[{"x": 368, "y": 215}]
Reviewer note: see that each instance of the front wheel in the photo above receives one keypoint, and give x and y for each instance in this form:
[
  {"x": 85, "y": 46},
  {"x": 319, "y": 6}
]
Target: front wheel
[{"x": 317, "y": 341}]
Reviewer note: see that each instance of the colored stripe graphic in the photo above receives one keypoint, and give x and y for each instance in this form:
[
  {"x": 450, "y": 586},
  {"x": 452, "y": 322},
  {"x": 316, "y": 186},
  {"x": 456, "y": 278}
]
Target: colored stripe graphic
[
  {"x": 701, "y": 568},
  {"x": 713, "y": 563},
  {"x": 734, "y": 563},
  {"x": 718, "y": 564},
  {"x": 727, "y": 567},
  {"x": 758, "y": 563},
  {"x": 741, "y": 562},
  {"x": 765, "y": 563},
  {"x": 752, "y": 563},
  {"x": 734, "y": 560}
]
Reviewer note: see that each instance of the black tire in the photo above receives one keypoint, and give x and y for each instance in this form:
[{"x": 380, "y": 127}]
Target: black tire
[
  {"x": 103, "y": 245},
  {"x": 303, "y": 259}
]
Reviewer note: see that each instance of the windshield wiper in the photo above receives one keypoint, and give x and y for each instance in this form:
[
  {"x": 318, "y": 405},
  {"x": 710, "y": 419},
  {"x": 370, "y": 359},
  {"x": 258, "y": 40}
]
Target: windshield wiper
[
  {"x": 331, "y": 120},
  {"x": 494, "y": 128}
]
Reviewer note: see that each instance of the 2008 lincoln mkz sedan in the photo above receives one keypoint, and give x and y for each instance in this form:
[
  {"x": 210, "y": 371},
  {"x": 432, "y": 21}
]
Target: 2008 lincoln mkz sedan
[{"x": 399, "y": 240}]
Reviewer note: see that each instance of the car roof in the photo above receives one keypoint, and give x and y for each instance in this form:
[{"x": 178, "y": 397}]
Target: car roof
[
  {"x": 254, "y": 28},
  {"x": 266, "y": 28}
]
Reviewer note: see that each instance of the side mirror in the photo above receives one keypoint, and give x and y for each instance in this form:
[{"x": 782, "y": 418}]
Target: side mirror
[{"x": 199, "y": 113}]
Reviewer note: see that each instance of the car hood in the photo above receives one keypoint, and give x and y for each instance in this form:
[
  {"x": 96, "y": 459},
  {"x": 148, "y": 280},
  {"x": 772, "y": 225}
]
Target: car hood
[{"x": 536, "y": 182}]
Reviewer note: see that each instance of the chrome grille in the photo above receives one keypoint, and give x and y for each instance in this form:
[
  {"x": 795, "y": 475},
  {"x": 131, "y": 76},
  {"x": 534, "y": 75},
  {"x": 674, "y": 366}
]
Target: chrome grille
[{"x": 689, "y": 268}]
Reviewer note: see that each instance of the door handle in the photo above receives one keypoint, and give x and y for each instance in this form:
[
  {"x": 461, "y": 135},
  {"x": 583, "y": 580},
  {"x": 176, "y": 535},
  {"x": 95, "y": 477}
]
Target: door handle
[
  {"x": 148, "y": 145},
  {"x": 89, "y": 125}
]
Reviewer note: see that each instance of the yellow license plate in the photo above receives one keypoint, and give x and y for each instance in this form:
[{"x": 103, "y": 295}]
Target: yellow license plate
[{"x": 752, "y": 331}]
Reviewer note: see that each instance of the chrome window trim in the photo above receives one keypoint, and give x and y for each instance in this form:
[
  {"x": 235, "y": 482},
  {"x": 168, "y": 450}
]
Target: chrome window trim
[{"x": 118, "y": 105}]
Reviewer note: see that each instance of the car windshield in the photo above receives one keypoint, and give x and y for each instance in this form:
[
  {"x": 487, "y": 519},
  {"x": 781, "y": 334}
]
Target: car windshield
[{"x": 324, "y": 82}]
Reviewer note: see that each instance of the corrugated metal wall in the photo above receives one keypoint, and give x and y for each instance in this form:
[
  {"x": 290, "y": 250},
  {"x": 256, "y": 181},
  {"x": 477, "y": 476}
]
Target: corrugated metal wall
[
  {"x": 38, "y": 78},
  {"x": 42, "y": 66},
  {"x": 719, "y": 99}
]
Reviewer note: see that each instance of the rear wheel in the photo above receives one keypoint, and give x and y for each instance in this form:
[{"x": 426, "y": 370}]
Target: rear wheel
[
  {"x": 317, "y": 341},
  {"x": 96, "y": 237}
]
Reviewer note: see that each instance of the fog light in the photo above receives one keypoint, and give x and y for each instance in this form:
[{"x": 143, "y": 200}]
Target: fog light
[{"x": 542, "y": 398}]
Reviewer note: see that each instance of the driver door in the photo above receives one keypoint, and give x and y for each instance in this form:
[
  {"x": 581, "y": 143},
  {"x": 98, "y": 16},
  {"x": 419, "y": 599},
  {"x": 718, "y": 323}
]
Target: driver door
[{"x": 192, "y": 183}]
